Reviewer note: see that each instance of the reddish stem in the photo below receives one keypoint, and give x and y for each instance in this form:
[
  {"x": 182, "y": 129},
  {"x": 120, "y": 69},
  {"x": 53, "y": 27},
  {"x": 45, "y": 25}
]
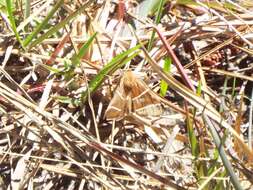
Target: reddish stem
[
  {"x": 179, "y": 66},
  {"x": 58, "y": 49}
]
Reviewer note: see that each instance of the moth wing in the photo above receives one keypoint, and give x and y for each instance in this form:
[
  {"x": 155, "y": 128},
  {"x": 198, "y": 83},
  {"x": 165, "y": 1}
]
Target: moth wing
[
  {"x": 145, "y": 102},
  {"x": 153, "y": 110},
  {"x": 118, "y": 105}
]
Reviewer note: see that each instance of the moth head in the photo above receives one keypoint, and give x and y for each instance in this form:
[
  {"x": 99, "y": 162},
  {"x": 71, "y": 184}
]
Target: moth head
[{"x": 128, "y": 81}]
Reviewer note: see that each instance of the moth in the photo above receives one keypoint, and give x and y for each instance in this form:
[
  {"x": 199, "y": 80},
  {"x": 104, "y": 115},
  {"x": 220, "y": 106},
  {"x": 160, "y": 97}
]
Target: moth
[{"x": 133, "y": 95}]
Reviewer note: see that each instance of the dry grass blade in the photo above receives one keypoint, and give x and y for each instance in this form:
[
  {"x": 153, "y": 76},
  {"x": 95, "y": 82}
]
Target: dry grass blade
[
  {"x": 232, "y": 74},
  {"x": 197, "y": 101},
  {"x": 20, "y": 103},
  {"x": 80, "y": 104}
]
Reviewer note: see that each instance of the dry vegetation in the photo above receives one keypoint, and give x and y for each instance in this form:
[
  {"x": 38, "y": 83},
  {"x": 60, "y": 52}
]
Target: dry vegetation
[{"x": 126, "y": 94}]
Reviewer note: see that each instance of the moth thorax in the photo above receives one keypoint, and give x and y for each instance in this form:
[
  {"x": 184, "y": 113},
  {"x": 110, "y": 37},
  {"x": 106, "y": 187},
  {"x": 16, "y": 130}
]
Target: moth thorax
[
  {"x": 128, "y": 86},
  {"x": 127, "y": 89}
]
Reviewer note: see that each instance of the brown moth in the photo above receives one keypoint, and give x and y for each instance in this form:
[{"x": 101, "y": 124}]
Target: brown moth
[{"x": 133, "y": 95}]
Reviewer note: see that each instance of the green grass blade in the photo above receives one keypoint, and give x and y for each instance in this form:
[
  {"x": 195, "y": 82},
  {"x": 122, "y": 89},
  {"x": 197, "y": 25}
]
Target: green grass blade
[
  {"x": 222, "y": 153},
  {"x": 199, "y": 89},
  {"x": 27, "y": 12},
  {"x": 75, "y": 61},
  {"x": 157, "y": 20},
  {"x": 192, "y": 137},
  {"x": 77, "y": 57},
  {"x": 64, "y": 99},
  {"x": 27, "y": 8},
  {"x": 52, "y": 69},
  {"x": 58, "y": 26},
  {"x": 220, "y": 183},
  {"x": 12, "y": 21},
  {"x": 166, "y": 68},
  {"x": 43, "y": 23},
  {"x": 112, "y": 66}
]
